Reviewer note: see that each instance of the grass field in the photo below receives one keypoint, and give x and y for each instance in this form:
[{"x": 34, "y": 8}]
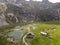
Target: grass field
[
  {"x": 52, "y": 28},
  {"x": 42, "y": 40}
]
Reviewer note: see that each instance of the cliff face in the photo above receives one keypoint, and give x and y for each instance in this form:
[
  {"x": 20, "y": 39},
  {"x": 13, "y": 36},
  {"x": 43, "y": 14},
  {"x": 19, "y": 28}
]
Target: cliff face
[
  {"x": 30, "y": 10},
  {"x": 21, "y": 12},
  {"x": 3, "y": 21}
]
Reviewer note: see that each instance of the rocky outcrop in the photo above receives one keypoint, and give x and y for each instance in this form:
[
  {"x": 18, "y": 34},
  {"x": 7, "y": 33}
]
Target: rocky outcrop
[{"x": 3, "y": 21}]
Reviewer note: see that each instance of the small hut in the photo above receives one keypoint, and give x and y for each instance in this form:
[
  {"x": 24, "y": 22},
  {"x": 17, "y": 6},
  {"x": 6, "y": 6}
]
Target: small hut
[{"x": 30, "y": 35}]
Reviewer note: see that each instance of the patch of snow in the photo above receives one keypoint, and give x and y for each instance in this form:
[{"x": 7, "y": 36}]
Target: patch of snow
[
  {"x": 44, "y": 33},
  {"x": 33, "y": 27},
  {"x": 10, "y": 39},
  {"x": 52, "y": 29}
]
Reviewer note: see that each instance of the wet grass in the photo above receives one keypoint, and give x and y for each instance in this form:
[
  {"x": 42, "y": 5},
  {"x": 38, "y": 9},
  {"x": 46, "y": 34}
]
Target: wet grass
[{"x": 3, "y": 40}]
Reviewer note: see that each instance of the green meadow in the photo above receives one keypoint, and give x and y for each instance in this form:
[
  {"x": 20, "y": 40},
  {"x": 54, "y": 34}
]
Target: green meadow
[
  {"x": 53, "y": 29},
  {"x": 52, "y": 39}
]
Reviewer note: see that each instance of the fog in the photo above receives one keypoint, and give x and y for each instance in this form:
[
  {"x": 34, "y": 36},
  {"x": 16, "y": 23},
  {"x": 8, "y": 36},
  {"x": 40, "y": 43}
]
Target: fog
[{"x": 53, "y": 1}]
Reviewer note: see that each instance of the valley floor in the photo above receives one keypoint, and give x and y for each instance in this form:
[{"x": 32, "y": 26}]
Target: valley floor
[{"x": 52, "y": 29}]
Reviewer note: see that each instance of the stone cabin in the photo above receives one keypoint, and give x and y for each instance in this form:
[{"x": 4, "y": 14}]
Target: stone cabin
[{"x": 30, "y": 35}]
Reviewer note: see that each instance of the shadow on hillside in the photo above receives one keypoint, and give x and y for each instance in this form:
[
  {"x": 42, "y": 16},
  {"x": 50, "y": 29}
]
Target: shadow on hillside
[{"x": 53, "y": 22}]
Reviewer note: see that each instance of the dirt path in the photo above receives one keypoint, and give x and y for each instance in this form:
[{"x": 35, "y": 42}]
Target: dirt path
[{"x": 24, "y": 41}]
